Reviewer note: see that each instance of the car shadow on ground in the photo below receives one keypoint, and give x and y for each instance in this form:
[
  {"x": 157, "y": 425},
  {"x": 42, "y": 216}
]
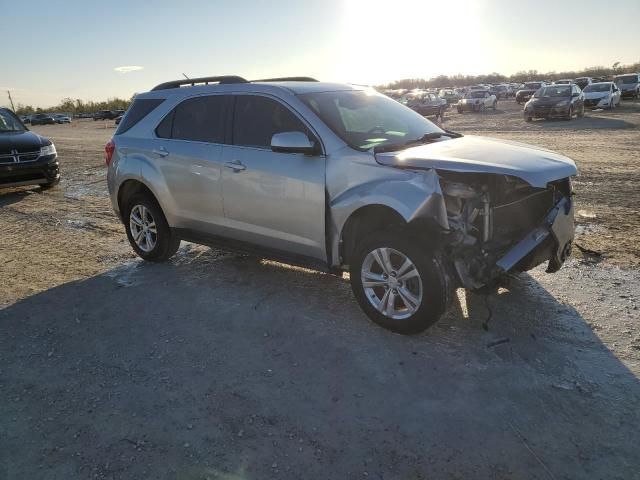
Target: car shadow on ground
[
  {"x": 14, "y": 195},
  {"x": 591, "y": 120},
  {"x": 220, "y": 364}
]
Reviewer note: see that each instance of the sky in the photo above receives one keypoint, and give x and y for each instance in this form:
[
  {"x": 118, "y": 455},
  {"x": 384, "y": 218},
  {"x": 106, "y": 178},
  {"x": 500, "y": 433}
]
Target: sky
[{"x": 53, "y": 49}]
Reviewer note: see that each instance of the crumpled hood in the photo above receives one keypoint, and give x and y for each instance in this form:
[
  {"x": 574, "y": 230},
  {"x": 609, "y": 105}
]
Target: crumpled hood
[{"x": 534, "y": 165}]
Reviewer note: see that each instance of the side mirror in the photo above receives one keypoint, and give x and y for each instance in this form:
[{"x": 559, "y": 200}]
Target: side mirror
[{"x": 293, "y": 142}]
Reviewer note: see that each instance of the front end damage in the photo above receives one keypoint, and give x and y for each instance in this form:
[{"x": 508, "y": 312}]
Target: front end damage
[
  {"x": 508, "y": 206},
  {"x": 500, "y": 224}
]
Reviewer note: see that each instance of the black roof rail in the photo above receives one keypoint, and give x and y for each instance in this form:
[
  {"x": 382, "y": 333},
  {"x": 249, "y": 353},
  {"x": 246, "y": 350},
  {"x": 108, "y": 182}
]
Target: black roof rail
[
  {"x": 287, "y": 79},
  {"x": 204, "y": 80}
]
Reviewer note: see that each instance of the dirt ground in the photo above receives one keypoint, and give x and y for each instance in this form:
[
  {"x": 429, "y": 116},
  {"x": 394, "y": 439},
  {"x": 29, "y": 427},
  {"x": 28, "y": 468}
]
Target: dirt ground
[{"x": 218, "y": 366}]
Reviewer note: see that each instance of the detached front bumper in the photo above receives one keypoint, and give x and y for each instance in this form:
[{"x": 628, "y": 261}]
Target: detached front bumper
[
  {"x": 43, "y": 170},
  {"x": 552, "y": 241}
]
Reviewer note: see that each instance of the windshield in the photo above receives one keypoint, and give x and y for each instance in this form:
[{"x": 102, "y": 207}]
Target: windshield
[
  {"x": 365, "y": 119},
  {"x": 598, "y": 87},
  {"x": 475, "y": 94},
  {"x": 532, "y": 86},
  {"x": 554, "y": 91},
  {"x": 10, "y": 123},
  {"x": 627, "y": 79}
]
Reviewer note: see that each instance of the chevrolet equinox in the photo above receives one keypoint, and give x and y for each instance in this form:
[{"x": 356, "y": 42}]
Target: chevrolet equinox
[{"x": 337, "y": 178}]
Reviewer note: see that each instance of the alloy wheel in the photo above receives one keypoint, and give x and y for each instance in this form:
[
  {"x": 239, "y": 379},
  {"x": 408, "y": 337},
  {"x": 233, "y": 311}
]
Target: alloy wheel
[
  {"x": 143, "y": 228},
  {"x": 391, "y": 283}
]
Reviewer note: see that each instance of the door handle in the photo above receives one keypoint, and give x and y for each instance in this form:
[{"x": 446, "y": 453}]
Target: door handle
[
  {"x": 236, "y": 166},
  {"x": 161, "y": 152}
]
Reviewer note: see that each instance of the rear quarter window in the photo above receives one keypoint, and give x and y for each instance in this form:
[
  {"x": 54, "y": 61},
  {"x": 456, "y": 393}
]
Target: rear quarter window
[{"x": 137, "y": 111}]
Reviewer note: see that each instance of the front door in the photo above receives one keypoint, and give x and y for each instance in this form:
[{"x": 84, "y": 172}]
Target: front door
[{"x": 273, "y": 200}]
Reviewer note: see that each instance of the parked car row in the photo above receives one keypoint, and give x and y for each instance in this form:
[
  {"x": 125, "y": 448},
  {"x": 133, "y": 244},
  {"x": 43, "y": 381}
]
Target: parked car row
[
  {"x": 567, "y": 99},
  {"x": 45, "y": 118}
]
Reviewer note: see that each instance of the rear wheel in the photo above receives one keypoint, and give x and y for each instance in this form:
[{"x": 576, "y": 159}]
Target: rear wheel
[
  {"x": 397, "y": 284},
  {"x": 495, "y": 104},
  {"x": 581, "y": 111},
  {"x": 147, "y": 229}
]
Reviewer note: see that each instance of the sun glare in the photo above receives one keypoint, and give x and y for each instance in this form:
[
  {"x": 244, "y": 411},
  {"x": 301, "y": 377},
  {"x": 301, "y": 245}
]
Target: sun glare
[{"x": 384, "y": 41}]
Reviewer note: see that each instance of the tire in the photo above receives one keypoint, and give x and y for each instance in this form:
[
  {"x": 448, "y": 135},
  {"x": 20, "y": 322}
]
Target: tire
[
  {"x": 166, "y": 244},
  {"x": 429, "y": 286},
  {"x": 460, "y": 111},
  {"x": 612, "y": 104},
  {"x": 581, "y": 112},
  {"x": 481, "y": 108},
  {"x": 441, "y": 114},
  {"x": 495, "y": 105},
  {"x": 527, "y": 118},
  {"x": 570, "y": 114}
]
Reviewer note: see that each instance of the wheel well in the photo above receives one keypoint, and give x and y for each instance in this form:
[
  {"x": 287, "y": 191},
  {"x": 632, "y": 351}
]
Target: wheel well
[
  {"x": 128, "y": 189},
  {"x": 364, "y": 221}
]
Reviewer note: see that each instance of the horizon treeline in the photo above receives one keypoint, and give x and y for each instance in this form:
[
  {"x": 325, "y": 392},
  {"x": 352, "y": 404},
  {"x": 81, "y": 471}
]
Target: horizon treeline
[
  {"x": 519, "y": 77},
  {"x": 69, "y": 105},
  {"x": 76, "y": 106}
]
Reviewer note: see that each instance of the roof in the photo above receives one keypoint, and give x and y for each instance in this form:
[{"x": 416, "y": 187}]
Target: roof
[
  {"x": 311, "y": 87},
  {"x": 296, "y": 85}
]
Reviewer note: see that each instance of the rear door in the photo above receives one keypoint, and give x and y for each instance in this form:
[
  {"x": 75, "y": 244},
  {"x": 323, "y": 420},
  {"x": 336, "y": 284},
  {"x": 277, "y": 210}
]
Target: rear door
[
  {"x": 273, "y": 200},
  {"x": 188, "y": 153}
]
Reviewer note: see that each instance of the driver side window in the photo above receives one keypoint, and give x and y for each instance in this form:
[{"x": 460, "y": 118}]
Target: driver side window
[{"x": 257, "y": 119}]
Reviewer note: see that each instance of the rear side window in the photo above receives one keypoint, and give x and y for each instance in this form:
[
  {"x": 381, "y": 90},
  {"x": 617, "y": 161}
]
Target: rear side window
[
  {"x": 200, "y": 119},
  {"x": 257, "y": 119},
  {"x": 137, "y": 111}
]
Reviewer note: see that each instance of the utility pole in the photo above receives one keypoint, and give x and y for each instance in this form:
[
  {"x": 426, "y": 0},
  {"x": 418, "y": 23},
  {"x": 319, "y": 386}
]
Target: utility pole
[{"x": 11, "y": 100}]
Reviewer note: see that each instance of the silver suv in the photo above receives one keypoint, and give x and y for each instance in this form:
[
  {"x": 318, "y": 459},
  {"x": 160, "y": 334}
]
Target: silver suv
[{"x": 337, "y": 178}]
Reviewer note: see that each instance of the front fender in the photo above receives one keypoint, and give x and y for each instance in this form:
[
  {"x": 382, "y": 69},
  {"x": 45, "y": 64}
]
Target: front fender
[{"x": 417, "y": 198}]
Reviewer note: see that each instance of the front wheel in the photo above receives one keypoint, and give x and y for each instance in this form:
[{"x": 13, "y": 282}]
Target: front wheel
[
  {"x": 569, "y": 114},
  {"x": 495, "y": 105},
  {"x": 397, "y": 284},
  {"x": 147, "y": 229}
]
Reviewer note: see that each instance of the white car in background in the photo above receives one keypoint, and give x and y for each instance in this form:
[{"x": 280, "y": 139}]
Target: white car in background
[
  {"x": 477, "y": 101},
  {"x": 601, "y": 95}
]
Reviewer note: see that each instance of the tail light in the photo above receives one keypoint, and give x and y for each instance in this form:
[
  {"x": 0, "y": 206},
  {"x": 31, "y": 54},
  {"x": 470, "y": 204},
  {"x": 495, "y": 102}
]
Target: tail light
[{"x": 109, "y": 148}]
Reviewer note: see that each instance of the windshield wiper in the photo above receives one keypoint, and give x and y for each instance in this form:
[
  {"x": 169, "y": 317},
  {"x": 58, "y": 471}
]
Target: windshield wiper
[{"x": 427, "y": 137}]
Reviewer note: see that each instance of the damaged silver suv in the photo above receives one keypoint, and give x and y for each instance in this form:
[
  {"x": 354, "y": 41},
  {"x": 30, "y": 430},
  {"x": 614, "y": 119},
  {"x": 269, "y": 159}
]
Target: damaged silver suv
[{"x": 337, "y": 178}]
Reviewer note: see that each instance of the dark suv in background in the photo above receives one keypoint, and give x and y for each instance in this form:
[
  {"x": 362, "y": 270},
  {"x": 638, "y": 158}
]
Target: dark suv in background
[
  {"x": 106, "y": 115},
  {"x": 25, "y": 157},
  {"x": 43, "y": 119},
  {"x": 527, "y": 91}
]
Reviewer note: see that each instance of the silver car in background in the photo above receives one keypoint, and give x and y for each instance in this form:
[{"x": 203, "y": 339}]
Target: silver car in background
[
  {"x": 337, "y": 178},
  {"x": 602, "y": 95}
]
